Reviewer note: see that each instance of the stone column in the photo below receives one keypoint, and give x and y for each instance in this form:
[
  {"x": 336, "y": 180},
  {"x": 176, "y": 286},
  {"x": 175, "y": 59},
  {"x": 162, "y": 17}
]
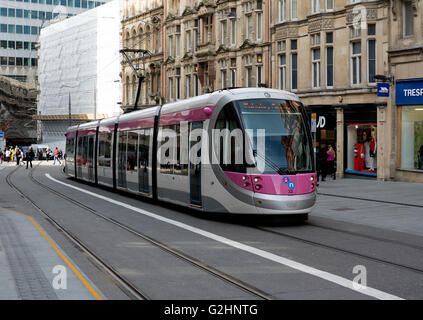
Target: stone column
[
  {"x": 339, "y": 142},
  {"x": 383, "y": 141}
]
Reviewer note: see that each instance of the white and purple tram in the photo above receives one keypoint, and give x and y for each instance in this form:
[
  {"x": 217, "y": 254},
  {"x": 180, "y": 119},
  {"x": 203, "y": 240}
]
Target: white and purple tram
[{"x": 135, "y": 152}]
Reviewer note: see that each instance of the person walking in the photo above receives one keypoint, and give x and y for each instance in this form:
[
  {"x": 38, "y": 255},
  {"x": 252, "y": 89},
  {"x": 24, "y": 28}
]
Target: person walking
[
  {"x": 1, "y": 156},
  {"x": 18, "y": 155},
  {"x": 56, "y": 156},
  {"x": 329, "y": 163},
  {"x": 30, "y": 155},
  {"x": 7, "y": 152}
]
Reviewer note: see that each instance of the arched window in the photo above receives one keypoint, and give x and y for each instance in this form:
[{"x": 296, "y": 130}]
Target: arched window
[
  {"x": 126, "y": 42},
  {"x": 134, "y": 88},
  {"x": 134, "y": 39},
  {"x": 141, "y": 40},
  {"x": 157, "y": 40},
  {"x": 127, "y": 90},
  {"x": 147, "y": 38}
]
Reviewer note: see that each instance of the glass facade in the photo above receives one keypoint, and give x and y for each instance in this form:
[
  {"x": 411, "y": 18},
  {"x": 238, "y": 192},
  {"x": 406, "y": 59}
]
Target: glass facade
[{"x": 412, "y": 137}]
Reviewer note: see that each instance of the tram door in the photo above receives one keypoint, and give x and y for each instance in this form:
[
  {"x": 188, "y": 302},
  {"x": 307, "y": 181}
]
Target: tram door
[
  {"x": 122, "y": 142},
  {"x": 143, "y": 157},
  {"x": 195, "y": 162}
]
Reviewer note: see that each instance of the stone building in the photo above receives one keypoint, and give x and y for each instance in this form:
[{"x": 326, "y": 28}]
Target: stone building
[
  {"x": 143, "y": 28},
  {"x": 18, "y": 103},
  {"x": 332, "y": 53}
]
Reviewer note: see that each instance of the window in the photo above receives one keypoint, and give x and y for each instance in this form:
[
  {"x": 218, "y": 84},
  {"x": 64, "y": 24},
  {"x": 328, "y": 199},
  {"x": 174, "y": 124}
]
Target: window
[
  {"x": 11, "y": 44},
  {"x": 188, "y": 85},
  {"x": 329, "y": 66},
  {"x": 19, "y": 13},
  {"x": 233, "y": 72},
  {"x": 356, "y": 62},
  {"x": 412, "y": 137},
  {"x": 178, "y": 83},
  {"x": 12, "y": 12},
  {"x": 105, "y": 149},
  {"x": 170, "y": 46},
  {"x": 177, "y": 45},
  {"x": 371, "y": 52},
  {"x": 196, "y": 85},
  {"x": 315, "y": 68},
  {"x": 294, "y": 71},
  {"x": 3, "y": 44},
  {"x": 188, "y": 40},
  {"x": 11, "y": 28},
  {"x": 282, "y": 71},
  {"x": 3, "y": 12},
  {"x": 315, "y": 6},
  {"x": 248, "y": 71},
  {"x": 3, "y": 27},
  {"x": 259, "y": 25},
  {"x": 223, "y": 33},
  {"x": 171, "y": 89},
  {"x": 293, "y": 44},
  {"x": 294, "y": 9},
  {"x": 408, "y": 18},
  {"x": 223, "y": 74},
  {"x": 329, "y": 37},
  {"x": 281, "y": 10},
  {"x": 19, "y": 29},
  {"x": 247, "y": 26},
  {"x": 233, "y": 31},
  {"x": 329, "y": 5},
  {"x": 371, "y": 29}
]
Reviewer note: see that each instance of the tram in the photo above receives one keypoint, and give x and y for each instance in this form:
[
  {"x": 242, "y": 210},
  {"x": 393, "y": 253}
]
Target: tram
[{"x": 238, "y": 151}]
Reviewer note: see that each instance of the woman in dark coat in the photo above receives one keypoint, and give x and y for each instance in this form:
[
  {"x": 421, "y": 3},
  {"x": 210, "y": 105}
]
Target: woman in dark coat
[{"x": 30, "y": 155}]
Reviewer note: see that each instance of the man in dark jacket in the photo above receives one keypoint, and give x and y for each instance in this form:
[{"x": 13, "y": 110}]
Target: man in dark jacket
[{"x": 30, "y": 155}]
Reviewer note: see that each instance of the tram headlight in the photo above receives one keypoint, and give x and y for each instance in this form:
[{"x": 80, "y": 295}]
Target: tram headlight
[
  {"x": 258, "y": 186},
  {"x": 244, "y": 178},
  {"x": 256, "y": 179},
  {"x": 312, "y": 185},
  {"x": 312, "y": 178}
]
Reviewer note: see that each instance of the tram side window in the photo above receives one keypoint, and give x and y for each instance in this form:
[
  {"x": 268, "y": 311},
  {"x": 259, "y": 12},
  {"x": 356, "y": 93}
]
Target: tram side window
[
  {"x": 80, "y": 153},
  {"x": 174, "y": 154},
  {"x": 132, "y": 152},
  {"x": 144, "y": 149},
  {"x": 166, "y": 150},
  {"x": 105, "y": 149},
  {"x": 90, "y": 151},
  {"x": 230, "y": 153},
  {"x": 70, "y": 149}
]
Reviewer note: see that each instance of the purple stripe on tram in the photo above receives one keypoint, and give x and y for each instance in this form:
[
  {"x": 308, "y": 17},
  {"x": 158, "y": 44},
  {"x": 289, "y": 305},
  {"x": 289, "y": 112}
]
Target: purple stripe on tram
[
  {"x": 136, "y": 124},
  {"x": 197, "y": 114}
]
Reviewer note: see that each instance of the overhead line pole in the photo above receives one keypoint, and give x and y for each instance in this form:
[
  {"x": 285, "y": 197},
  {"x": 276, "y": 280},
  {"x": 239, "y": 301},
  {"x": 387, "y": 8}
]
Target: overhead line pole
[{"x": 140, "y": 77}]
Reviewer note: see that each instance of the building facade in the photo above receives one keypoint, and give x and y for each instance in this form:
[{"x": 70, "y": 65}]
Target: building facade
[
  {"x": 78, "y": 71},
  {"x": 332, "y": 53},
  {"x": 21, "y": 22}
]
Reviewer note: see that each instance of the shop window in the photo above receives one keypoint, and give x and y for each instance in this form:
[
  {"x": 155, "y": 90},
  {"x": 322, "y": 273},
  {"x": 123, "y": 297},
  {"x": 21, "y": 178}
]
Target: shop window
[
  {"x": 412, "y": 137},
  {"x": 362, "y": 148}
]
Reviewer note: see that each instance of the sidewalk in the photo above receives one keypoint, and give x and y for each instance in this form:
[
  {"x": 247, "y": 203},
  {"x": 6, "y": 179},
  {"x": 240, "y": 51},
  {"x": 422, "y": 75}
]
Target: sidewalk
[{"x": 383, "y": 204}]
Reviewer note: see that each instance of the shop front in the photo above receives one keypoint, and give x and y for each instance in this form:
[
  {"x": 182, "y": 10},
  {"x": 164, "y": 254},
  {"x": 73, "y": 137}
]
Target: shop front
[
  {"x": 360, "y": 144},
  {"x": 409, "y": 102}
]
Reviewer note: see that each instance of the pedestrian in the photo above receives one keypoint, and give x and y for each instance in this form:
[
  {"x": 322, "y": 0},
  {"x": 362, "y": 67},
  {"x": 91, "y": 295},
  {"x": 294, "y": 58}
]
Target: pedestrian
[
  {"x": 1, "y": 156},
  {"x": 18, "y": 155},
  {"x": 12, "y": 154},
  {"x": 7, "y": 155},
  {"x": 30, "y": 155},
  {"x": 56, "y": 156},
  {"x": 329, "y": 163}
]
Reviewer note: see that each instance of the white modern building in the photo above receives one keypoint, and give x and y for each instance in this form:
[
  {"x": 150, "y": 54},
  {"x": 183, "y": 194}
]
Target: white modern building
[
  {"x": 78, "y": 71},
  {"x": 20, "y": 25}
]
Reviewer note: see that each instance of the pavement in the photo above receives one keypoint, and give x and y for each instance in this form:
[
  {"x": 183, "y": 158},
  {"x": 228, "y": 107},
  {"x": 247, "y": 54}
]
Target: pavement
[{"x": 396, "y": 206}]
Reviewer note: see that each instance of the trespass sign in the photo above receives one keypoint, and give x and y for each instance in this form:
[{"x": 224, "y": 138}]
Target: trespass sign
[{"x": 409, "y": 92}]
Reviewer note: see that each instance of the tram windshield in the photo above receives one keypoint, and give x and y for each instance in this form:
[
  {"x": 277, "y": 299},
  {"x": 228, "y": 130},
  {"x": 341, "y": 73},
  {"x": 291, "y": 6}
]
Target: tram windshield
[{"x": 281, "y": 125}]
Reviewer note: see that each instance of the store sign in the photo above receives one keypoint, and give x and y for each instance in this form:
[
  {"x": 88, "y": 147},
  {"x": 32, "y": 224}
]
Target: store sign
[
  {"x": 409, "y": 92},
  {"x": 322, "y": 122},
  {"x": 383, "y": 89}
]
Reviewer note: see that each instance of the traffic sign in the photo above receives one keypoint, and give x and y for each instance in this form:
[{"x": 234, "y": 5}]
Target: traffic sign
[
  {"x": 313, "y": 122},
  {"x": 1, "y": 135}
]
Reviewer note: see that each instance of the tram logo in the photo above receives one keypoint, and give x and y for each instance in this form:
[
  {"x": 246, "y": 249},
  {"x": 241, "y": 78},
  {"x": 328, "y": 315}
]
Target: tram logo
[{"x": 291, "y": 184}]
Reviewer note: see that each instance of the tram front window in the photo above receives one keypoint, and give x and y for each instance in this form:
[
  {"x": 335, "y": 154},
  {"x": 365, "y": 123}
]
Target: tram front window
[{"x": 287, "y": 148}]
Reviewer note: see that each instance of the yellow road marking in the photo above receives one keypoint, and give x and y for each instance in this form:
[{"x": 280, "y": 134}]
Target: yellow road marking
[{"x": 85, "y": 282}]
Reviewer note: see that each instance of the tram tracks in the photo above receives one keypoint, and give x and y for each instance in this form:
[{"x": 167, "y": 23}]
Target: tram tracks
[
  {"x": 121, "y": 281},
  {"x": 338, "y": 249},
  {"x": 176, "y": 253}
]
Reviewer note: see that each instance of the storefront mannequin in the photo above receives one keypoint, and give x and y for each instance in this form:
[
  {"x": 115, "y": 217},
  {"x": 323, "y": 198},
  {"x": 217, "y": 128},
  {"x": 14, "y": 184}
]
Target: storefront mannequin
[
  {"x": 372, "y": 149},
  {"x": 367, "y": 158}
]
